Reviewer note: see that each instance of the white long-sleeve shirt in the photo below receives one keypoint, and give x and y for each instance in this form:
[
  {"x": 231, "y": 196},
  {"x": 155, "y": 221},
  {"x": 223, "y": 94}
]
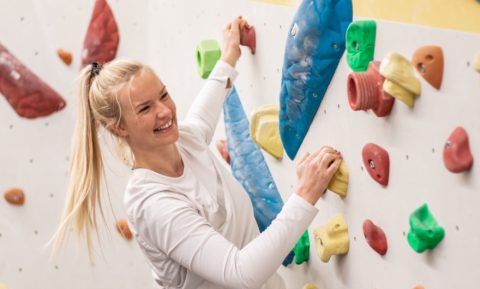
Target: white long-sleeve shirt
[{"x": 198, "y": 230}]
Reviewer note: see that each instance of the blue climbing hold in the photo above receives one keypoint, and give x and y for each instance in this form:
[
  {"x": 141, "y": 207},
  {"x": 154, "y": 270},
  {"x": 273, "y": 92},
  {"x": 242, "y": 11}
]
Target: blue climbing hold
[
  {"x": 249, "y": 166},
  {"x": 315, "y": 44}
]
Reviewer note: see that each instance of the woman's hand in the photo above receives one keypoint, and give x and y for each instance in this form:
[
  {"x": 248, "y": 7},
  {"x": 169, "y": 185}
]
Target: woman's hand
[
  {"x": 231, "y": 40},
  {"x": 314, "y": 172}
]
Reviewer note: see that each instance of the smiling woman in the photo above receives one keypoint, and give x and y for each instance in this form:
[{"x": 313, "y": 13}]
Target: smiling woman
[{"x": 189, "y": 215}]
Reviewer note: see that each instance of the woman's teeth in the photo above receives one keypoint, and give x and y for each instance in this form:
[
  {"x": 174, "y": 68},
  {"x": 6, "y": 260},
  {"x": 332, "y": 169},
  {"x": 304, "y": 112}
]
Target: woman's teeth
[{"x": 165, "y": 126}]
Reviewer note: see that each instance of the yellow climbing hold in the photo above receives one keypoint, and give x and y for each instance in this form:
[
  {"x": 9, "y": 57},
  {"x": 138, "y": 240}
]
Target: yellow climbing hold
[
  {"x": 265, "y": 132},
  {"x": 339, "y": 182},
  {"x": 476, "y": 63},
  {"x": 309, "y": 286},
  {"x": 332, "y": 238},
  {"x": 400, "y": 80},
  {"x": 3, "y": 286}
]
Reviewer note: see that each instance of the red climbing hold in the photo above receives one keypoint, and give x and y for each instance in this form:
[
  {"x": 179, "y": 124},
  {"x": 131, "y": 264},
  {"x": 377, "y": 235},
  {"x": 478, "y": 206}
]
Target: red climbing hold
[
  {"x": 248, "y": 37},
  {"x": 377, "y": 162},
  {"x": 456, "y": 153},
  {"x": 375, "y": 237},
  {"x": 222, "y": 148},
  {"x": 365, "y": 91},
  {"x": 29, "y": 96},
  {"x": 101, "y": 41}
]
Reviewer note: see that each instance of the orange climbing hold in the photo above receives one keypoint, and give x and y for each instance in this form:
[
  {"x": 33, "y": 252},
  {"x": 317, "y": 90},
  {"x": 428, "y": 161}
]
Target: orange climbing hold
[
  {"x": 65, "y": 56},
  {"x": 123, "y": 229},
  {"x": 15, "y": 196},
  {"x": 428, "y": 61}
]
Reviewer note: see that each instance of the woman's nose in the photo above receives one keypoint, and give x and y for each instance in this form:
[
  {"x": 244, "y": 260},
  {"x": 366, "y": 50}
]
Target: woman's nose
[{"x": 162, "y": 110}]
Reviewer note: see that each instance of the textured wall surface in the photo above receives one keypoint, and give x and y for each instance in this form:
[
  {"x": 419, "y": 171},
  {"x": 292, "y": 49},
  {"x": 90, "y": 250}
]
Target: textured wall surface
[{"x": 35, "y": 153}]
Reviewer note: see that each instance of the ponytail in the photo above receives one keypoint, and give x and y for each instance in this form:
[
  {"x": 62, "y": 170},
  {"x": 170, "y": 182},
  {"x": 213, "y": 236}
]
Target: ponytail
[{"x": 98, "y": 105}]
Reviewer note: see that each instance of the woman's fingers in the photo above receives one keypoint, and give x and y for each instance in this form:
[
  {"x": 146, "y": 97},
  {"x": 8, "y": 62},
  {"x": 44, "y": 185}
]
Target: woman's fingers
[
  {"x": 332, "y": 169},
  {"x": 303, "y": 158}
]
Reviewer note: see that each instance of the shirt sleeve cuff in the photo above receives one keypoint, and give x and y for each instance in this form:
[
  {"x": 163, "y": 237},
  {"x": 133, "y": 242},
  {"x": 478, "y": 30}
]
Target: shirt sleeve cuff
[{"x": 223, "y": 72}]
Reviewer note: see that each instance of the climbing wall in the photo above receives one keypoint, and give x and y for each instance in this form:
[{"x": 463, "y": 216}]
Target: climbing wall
[
  {"x": 35, "y": 152},
  {"x": 413, "y": 137}
]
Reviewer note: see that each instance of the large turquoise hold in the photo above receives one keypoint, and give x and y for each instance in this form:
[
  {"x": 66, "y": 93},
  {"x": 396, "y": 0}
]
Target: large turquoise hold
[
  {"x": 315, "y": 44},
  {"x": 249, "y": 166}
]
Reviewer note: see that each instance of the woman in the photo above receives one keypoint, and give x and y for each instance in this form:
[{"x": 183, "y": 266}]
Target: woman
[{"x": 191, "y": 218}]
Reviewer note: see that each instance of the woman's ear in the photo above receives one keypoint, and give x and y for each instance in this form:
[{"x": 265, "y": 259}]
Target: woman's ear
[{"x": 119, "y": 129}]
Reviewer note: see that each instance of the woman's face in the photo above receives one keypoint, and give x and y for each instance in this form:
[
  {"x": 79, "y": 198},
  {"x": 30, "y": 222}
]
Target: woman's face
[{"x": 149, "y": 119}]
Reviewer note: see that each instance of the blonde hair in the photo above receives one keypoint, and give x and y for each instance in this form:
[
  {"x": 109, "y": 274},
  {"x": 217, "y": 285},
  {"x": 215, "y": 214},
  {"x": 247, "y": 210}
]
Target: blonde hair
[{"x": 98, "y": 106}]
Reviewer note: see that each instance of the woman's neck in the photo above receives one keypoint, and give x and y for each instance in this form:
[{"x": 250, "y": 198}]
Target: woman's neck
[{"x": 166, "y": 161}]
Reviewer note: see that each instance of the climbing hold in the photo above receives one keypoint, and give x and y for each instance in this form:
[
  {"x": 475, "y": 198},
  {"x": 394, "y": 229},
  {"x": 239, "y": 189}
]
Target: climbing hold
[
  {"x": 208, "y": 53},
  {"x": 102, "y": 38},
  {"x": 428, "y": 61},
  {"x": 2, "y": 286},
  {"x": 248, "y": 37},
  {"x": 302, "y": 249},
  {"x": 123, "y": 229},
  {"x": 377, "y": 162},
  {"x": 361, "y": 44},
  {"x": 309, "y": 286},
  {"x": 476, "y": 63},
  {"x": 28, "y": 95},
  {"x": 332, "y": 238},
  {"x": 315, "y": 44},
  {"x": 425, "y": 233},
  {"x": 365, "y": 91},
  {"x": 456, "y": 153},
  {"x": 400, "y": 81},
  {"x": 339, "y": 182},
  {"x": 249, "y": 167},
  {"x": 15, "y": 196},
  {"x": 65, "y": 56},
  {"x": 265, "y": 132},
  {"x": 419, "y": 287},
  {"x": 375, "y": 237},
  {"x": 222, "y": 148}
]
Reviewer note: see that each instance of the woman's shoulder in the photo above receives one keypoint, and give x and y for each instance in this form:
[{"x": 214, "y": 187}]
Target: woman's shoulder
[{"x": 191, "y": 137}]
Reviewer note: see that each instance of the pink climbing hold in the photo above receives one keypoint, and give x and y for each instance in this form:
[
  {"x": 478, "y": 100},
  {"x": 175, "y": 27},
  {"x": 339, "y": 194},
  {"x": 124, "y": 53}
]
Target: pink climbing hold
[
  {"x": 102, "y": 38},
  {"x": 377, "y": 163},
  {"x": 248, "y": 37},
  {"x": 456, "y": 153},
  {"x": 375, "y": 237}
]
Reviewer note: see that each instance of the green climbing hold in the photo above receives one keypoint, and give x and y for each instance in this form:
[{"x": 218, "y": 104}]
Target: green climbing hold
[
  {"x": 208, "y": 53},
  {"x": 425, "y": 233},
  {"x": 302, "y": 249},
  {"x": 361, "y": 44}
]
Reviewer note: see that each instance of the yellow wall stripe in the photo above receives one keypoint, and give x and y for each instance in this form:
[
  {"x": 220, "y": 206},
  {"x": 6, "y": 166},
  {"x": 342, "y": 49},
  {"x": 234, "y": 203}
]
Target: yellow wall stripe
[{"x": 461, "y": 15}]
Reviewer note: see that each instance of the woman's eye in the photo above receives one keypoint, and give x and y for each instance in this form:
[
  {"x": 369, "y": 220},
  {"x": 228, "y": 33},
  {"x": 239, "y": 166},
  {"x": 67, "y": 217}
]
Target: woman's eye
[
  {"x": 164, "y": 96},
  {"x": 145, "y": 108}
]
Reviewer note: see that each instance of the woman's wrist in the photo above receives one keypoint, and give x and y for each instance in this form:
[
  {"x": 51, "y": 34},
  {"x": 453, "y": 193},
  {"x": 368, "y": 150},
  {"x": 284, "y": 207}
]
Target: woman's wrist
[
  {"x": 307, "y": 197},
  {"x": 230, "y": 60}
]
